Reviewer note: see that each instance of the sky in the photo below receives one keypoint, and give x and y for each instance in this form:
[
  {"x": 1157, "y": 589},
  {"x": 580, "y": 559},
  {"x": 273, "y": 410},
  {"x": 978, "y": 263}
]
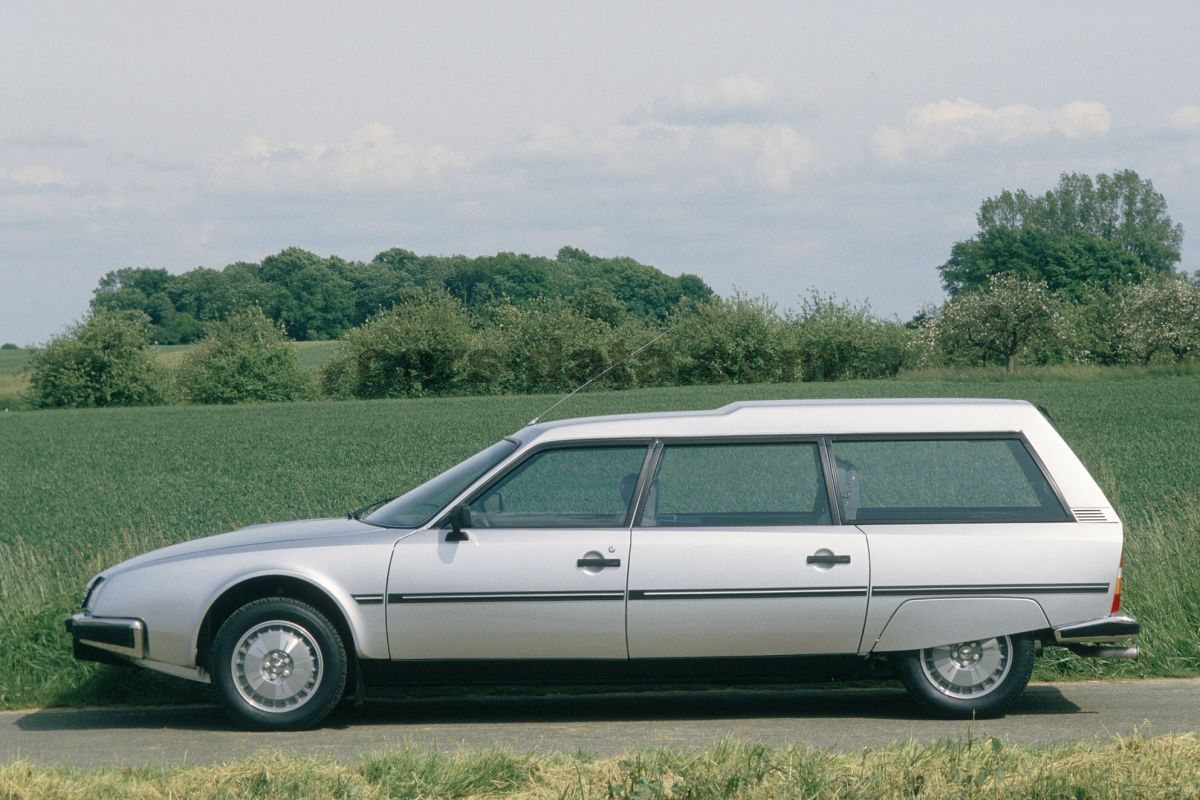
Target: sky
[{"x": 770, "y": 148}]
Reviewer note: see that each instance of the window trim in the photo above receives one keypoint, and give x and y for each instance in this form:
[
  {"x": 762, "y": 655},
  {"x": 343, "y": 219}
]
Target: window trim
[
  {"x": 1017, "y": 436},
  {"x": 660, "y": 444}
]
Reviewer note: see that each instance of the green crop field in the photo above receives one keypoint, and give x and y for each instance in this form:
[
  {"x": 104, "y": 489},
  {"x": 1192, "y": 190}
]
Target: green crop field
[
  {"x": 80, "y": 490},
  {"x": 12, "y": 382}
]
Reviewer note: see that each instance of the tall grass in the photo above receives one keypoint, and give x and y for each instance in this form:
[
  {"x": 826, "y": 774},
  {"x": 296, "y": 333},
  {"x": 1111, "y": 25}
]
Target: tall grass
[
  {"x": 82, "y": 489},
  {"x": 1138, "y": 767}
]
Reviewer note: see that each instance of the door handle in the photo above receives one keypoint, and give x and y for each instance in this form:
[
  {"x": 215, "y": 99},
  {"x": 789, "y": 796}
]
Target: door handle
[
  {"x": 598, "y": 562},
  {"x": 828, "y": 559}
]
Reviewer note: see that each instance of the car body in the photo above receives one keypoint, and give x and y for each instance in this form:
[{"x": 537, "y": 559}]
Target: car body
[{"x": 951, "y": 539}]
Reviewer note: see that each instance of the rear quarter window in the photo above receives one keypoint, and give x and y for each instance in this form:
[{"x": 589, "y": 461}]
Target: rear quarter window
[{"x": 960, "y": 479}]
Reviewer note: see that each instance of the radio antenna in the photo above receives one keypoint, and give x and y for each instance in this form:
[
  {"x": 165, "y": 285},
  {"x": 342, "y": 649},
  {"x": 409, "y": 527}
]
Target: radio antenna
[{"x": 595, "y": 378}]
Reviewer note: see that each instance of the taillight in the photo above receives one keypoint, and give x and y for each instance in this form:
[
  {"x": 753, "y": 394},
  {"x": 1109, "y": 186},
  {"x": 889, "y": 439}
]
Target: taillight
[{"x": 1116, "y": 604}]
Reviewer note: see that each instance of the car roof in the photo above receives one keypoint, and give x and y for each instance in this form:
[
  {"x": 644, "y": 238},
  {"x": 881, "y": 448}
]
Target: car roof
[{"x": 799, "y": 417}]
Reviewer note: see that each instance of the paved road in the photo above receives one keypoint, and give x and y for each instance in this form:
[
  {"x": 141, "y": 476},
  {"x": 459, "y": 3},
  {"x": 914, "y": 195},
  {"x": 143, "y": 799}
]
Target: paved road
[{"x": 605, "y": 724}]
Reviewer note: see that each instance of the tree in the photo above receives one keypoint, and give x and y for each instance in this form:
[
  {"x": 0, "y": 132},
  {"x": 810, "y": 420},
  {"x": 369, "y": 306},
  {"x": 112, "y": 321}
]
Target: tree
[
  {"x": 244, "y": 359},
  {"x": 102, "y": 361},
  {"x": 1110, "y": 230},
  {"x": 1008, "y": 318},
  {"x": 1158, "y": 321}
]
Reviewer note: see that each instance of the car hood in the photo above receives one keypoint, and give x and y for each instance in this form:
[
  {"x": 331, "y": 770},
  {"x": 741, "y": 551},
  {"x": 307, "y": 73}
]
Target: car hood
[{"x": 248, "y": 537}]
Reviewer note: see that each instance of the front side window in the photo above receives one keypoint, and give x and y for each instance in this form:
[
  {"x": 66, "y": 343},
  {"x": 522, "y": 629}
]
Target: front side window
[
  {"x": 942, "y": 480},
  {"x": 577, "y": 487},
  {"x": 732, "y": 485}
]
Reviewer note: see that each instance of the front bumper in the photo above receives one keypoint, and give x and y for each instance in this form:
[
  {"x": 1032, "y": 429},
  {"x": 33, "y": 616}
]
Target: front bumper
[
  {"x": 106, "y": 639},
  {"x": 1087, "y": 638}
]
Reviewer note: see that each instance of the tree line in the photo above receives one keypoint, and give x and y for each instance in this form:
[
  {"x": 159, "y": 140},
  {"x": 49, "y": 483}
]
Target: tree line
[
  {"x": 1084, "y": 273},
  {"x": 317, "y": 298}
]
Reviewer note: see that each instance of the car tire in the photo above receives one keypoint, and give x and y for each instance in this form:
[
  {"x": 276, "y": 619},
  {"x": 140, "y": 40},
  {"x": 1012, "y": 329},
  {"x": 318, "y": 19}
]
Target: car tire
[
  {"x": 968, "y": 680},
  {"x": 278, "y": 663}
]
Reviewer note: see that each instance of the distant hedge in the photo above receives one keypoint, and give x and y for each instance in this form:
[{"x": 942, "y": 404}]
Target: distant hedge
[{"x": 435, "y": 346}]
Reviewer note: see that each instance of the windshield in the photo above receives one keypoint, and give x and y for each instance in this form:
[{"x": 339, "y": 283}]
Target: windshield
[{"x": 413, "y": 509}]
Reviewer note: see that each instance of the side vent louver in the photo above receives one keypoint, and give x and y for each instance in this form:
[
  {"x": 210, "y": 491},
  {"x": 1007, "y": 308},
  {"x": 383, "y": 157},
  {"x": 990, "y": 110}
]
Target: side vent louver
[{"x": 1089, "y": 515}]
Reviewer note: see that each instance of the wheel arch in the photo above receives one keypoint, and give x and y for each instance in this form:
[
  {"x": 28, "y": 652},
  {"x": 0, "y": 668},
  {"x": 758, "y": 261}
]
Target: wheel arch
[
  {"x": 256, "y": 587},
  {"x": 930, "y": 622}
]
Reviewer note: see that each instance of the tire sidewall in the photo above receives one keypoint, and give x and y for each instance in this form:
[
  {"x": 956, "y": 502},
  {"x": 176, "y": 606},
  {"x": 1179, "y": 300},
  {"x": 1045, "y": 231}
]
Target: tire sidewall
[
  {"x": 924, "y": 692},
  {"x": 333, "y": 657}
]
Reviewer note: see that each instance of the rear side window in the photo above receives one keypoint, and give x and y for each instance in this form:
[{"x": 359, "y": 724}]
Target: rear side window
[
  {"x": 942, "y": 480},
  {"x": 751, "y": 484},
  {"x": 578, "y": 487}
]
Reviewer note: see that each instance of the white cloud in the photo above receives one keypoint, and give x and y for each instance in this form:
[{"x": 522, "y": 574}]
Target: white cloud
[
  {"x": 733, "y": 98},
  {"x": 372, "y": 158},
  {"x": 934, "y": 129},
  {"x": 731, "y": 93},
  {"x": 1186, "y": 118},
  {"x": 724, "y": 133},
  {"x": 769, "y": 155},
  {"x": 1078, "y": 119},
  {"x": 38, "y": 177}
]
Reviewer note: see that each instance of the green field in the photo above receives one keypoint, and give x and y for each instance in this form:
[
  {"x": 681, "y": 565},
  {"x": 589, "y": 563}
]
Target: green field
[
  {"x": 12, "y": 382},
  {"x": 1138, "y": 767},
  {"x": 83, "y": 489}
]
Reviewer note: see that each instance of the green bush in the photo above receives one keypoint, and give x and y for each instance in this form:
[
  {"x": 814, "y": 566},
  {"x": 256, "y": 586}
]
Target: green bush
[
  {"x": 740, "y": 340},
  {"x": 1092, "y": 323},
  {"x": 244, "y": 359},
  {"x": 102, "y": 361},
  {"x": 8, "y": 346},
  {"x": 839, "y": 341},
  {"x": 416, "y": 349},
  {"x": 551, "y": 347}
]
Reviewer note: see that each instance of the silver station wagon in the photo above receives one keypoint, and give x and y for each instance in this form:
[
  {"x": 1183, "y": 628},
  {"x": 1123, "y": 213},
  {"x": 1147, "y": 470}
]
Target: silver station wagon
[{"x": 948, "y": 541}]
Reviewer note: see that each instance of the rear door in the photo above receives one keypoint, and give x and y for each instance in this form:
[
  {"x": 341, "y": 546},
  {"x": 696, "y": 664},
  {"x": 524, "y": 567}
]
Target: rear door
[{"x": 735, "y": 553}]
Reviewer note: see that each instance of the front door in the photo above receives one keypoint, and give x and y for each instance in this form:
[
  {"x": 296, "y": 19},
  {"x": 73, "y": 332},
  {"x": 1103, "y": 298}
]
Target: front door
[
  {"x": 735, "y": 554},
  {"x": 541, "y": 574}
]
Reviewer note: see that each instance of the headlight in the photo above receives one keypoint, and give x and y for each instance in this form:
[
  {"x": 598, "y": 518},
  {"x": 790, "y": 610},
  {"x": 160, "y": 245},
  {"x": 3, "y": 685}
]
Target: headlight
[{"x": 93, "y": 590}]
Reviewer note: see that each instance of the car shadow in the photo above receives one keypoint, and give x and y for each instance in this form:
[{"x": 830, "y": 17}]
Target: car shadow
[{"x": 686, "y": 705}]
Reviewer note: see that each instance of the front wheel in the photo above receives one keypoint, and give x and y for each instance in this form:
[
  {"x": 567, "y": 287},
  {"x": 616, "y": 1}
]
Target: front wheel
[
  {"x": 278, "y": 663},
  {"x": 968, "y": 679}
]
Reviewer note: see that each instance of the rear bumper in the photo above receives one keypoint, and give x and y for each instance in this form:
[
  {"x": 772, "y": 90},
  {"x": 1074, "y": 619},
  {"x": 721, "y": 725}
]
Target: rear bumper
[
  {"x": 106, "y": 639},
  {"x": 1088, "y": 639},
  {"x": 1106, "y": 629}
]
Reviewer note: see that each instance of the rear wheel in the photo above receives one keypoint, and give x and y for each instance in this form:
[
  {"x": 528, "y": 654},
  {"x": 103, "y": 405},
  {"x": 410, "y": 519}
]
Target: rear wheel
[
  {"x": 978, "y": 678},
  {"x": 278, "y": 663}
]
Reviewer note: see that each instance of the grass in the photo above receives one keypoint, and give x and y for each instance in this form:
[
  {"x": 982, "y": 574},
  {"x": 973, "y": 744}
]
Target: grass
[
  {"x": 82, "y": 489},
  {"x": 1137, "y": 767}
]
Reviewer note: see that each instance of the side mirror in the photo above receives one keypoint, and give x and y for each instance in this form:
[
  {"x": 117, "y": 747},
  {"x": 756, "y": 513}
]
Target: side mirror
[{"x": 459, "y": 518}]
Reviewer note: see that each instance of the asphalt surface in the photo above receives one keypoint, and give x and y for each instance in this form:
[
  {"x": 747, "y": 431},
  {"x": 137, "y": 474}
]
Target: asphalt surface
[{"x": 603, "y": 725}]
